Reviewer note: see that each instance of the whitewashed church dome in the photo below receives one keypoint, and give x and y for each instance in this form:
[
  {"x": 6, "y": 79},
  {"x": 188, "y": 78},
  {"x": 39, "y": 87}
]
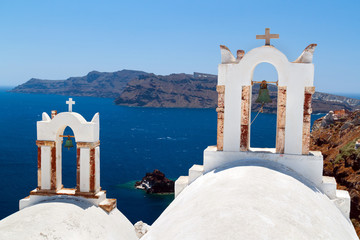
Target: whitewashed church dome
[
  {"x": 251, "y": 200},
  {"x": 67, "y": 219}
]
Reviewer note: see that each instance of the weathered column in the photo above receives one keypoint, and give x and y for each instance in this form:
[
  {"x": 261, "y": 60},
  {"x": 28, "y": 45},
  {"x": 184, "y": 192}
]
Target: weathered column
[
  {"x": 39, "y": 167},
  {"x": 245, "y": 118},
  {"x": 220, "y": 115},
  {"x": 97, "y": 169},
  {"x": 77, "y": 168},
  {"x": 53, "y": 168},
  {"x": 92, "y": 169},
  {"x": 46, "y": 165},
  {"x": 87, "y": 177},
  {"x": 281, "y": 119},
  {"x": 309, "y": 91}
]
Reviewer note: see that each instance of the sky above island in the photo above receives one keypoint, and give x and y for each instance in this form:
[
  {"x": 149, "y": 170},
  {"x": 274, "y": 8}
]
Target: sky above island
[{"x": 61, "y": 39}]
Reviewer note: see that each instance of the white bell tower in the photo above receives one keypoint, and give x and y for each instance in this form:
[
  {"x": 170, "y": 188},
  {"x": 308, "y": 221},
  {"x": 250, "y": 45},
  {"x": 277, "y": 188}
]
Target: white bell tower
[
  {"x": 49, "y": 144},
  {"x": 295, "y": 89}
]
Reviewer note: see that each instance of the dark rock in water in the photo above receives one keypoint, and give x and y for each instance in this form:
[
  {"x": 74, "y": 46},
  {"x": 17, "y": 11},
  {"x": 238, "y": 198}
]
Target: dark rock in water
[{"x": 156, "y": 182}]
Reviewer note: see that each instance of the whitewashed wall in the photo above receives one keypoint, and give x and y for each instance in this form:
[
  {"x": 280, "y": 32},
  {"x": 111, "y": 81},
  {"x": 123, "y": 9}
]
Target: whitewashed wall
[{"x": 295, "y": 76}]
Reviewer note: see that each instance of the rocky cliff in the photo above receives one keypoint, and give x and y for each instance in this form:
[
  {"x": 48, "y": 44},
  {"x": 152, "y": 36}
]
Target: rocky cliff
[
  {"x": 335, "y": 136},
  {"x": 175, "y": 90},
  {"x": 137, "y": 88},
  {"x": 94, "y": 84},
  {"x": 184, "y": 90}
]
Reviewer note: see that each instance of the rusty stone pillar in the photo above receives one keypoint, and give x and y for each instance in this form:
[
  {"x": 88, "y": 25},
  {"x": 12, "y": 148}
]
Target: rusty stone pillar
[
  {"x": 52, "y": 145},
  {"x": 245, "y": 118},
  {"x": 92, "y": 169},
  {"x": 77, "y": 168},
  {"x": 92, "y": 165},
  {"x": 39, "y": 167},
  {"x": 53, "y": 168},
  {"x": 281, "y": 119},
  {"x": 309, "y": 91},
  {"x": 220, "y": 115}
]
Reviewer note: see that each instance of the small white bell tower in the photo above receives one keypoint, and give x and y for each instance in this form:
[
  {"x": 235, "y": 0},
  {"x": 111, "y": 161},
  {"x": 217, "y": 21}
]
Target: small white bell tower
[{"x": 49, "y": 144}]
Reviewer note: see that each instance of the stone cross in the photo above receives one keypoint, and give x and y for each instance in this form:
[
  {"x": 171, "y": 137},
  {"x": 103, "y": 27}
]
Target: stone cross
[
  {"x": 70, "y": 103},
  {"x": 267, "y": 36}
]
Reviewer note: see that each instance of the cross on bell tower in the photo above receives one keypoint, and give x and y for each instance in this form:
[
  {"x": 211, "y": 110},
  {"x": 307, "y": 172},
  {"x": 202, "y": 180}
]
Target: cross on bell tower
[
  {"x": 267, "y": 36},
  {"x": 70, "y": 103}
]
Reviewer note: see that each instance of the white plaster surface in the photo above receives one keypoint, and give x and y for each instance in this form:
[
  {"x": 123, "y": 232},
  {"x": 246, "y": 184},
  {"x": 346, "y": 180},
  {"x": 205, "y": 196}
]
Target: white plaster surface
[
  {"x": 70, "y": 103},
  {"x": 141, "y": 228},
  {"x": 180, "y": 184},
  {"x": 343, "y": 202},
  {"x": 328, "y": 186},
  {"x": 295, "y": 76},
  {"x": 66, "y": 219},
  {"x": 45, "y": 167},
  {"x": 309, "y": 166},
  {"x": 84, "y": 169},
  {"x": 194, "y": 172},
  {"x": 49, "y": 129},
  {"x": 251, "y": 200},
  {"x": 36, "y": 199}
]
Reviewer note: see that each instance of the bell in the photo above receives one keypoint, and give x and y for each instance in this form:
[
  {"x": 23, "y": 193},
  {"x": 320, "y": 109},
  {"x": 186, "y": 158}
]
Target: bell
[
  {"x": 264, "y": 96},
  {"x": 68, "y": 143}
]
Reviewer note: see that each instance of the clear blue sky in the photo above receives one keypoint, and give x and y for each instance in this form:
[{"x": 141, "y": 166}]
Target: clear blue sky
[{"x": 58, "y": 39}]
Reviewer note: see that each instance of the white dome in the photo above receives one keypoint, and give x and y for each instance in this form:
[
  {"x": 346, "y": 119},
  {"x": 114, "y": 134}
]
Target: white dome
[
  {"x": 68, "y": 219},
  {"x": 251, "y": 200}
]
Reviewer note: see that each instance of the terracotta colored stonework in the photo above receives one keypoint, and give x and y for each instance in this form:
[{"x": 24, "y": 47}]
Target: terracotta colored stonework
[
  {"x": 67, "y": 192},
  {"x": 87, "y": 144},
  {"x": 220, "y": 121},
  {"x": 245, "y": 121},
  {"x": 39, "y": 167},
  {"x": 51, "y": 144},
  {"x": 53, "y": 113},
  {"x": 92, "y": 170},
  {"x": 77, "y": 168},
  {"x": 281, "y": 119},
  {"x": 53, "y": 168},
  {"x": 309, "y": 91},
  {"x": 40, "y": 143},
  {"x": 108, "y": 205}
]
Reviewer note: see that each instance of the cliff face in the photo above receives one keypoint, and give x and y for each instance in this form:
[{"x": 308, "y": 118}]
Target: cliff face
[
  {"x": 175, "y": 90},
  {"x": 335, "y": 137},
  {"x": 136, "y": 88},
  {"x": 94, "y": 84},
  {"x": 184, "y": 90}
]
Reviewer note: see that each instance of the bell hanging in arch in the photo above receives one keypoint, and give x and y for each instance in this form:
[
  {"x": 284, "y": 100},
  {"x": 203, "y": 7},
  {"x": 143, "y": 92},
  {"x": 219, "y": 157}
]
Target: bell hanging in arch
[
  {"x": 68, "y": 143},
  {"x": 264, "y": 96}
]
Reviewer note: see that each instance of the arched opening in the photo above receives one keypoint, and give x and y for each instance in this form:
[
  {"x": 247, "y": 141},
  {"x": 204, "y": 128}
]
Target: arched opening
[
  {"x": 263, "y": 124},
  {"x": 66, "y": 159}
]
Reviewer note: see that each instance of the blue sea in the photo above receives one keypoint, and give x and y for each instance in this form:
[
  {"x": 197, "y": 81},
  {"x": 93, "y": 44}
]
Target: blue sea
[{"x": 133, "y": 141}]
